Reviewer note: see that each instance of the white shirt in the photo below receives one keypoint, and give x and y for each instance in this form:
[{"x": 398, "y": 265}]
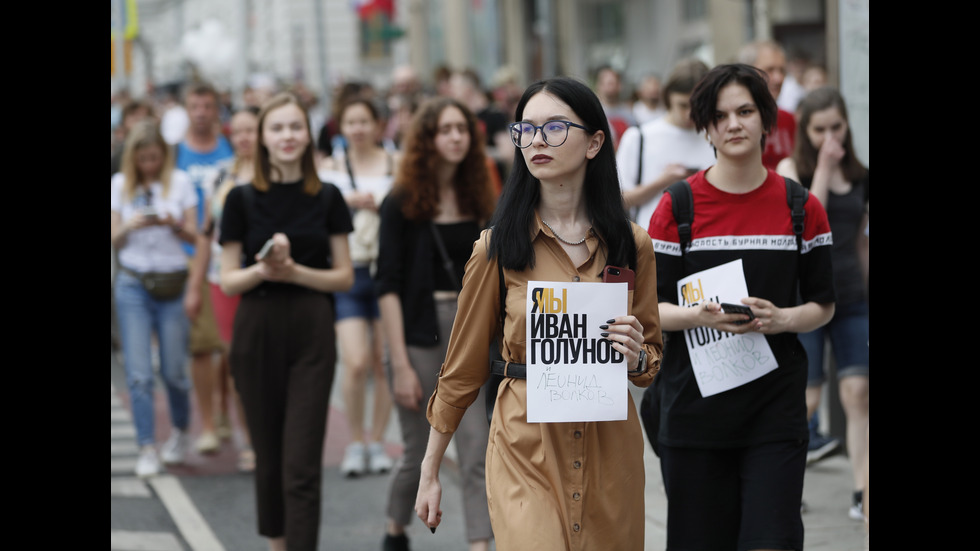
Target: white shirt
[
  {"x": 663, "y": 144},
  {"x": 153, "y": 248}
]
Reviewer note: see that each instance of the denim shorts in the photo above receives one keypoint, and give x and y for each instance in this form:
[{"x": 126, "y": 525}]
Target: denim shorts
[
  {"x": 360, "y": 301},
  {"x": 848, "y": 332}
]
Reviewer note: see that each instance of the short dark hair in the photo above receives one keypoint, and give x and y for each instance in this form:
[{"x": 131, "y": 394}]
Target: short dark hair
[
  {"x": 704, "y": 98},
  {"x": 200, "y": 88},
  {"x": 683, "y": 78}
]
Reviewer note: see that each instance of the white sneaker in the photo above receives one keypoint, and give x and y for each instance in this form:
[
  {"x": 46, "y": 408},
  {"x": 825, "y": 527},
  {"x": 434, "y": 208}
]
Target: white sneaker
[
  {"x": 174, "y": 448},
  {"x": 355, "y": 460},
  {"x": 378, "y": 460},
  {"x": 148, "y": 463}
]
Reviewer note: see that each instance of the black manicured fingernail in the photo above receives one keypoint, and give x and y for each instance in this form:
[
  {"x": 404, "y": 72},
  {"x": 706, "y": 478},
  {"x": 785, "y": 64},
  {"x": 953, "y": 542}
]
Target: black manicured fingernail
[
  {"x": 603, "y": 327},
  {"x": 611, "y": 321},
  {"x": 604, "y": 334},
  {"x": 433, "y": 528}
]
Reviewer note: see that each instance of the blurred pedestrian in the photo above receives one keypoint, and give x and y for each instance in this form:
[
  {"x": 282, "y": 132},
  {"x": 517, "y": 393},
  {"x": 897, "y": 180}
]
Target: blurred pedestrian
[
  {"x": 151, "y": 211},
  {"x": 648, "y": 100},
  {"x": 609, "y": 89},
  {"x": 825, "y": 163},
  {"x": 244, "y": 136},
  {"x": 656, "y": 154},
  {"x": 133, "y": 112},
  {"x": 737, "y": 456},
  {"x": 283, "y": 353},
  {"x": 363, "y": 175},
  {"x": 466, "y": 87},
  {"x": 200, "y": 154},
  {"x": 770, "y": 58},
  {"x": 442, "y": 198},
  {"x": 550, "y": 486}
]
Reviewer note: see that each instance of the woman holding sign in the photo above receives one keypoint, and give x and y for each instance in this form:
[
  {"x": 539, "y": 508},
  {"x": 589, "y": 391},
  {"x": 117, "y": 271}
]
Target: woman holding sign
[
  {"x": 732, "y": 443},
  {"x": 555, "y": 485}
]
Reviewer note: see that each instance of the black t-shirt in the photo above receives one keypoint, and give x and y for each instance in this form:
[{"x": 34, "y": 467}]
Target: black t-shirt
[
  {"x": 846, "y": 213},
  {"x": 308, "y": 221}
]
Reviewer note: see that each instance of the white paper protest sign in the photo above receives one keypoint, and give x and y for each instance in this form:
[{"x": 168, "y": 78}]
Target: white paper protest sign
[
  {"x": 722, "y": 361},
  {"x": 573, "y": 373}
]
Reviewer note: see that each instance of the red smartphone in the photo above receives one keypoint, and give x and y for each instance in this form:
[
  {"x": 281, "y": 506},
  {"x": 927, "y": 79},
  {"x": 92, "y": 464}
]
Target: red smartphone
[{"x": 615, "y": 274}]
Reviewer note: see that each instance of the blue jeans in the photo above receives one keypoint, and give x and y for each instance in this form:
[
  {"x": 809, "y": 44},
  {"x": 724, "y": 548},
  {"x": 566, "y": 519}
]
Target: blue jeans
[
  {"x": 140, "y": 316},
  {"x": 848, "y": 331}
]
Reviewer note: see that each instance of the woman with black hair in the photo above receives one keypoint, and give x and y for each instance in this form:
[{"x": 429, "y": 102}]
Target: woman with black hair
[
  {"x": 737, "y": 456},
  {"x": 570, "y": 485}
]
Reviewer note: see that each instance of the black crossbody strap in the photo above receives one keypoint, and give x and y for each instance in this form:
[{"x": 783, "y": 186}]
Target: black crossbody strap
[
  {"x": 447, "y": 262},
  {"x": 350, "y": 172}
]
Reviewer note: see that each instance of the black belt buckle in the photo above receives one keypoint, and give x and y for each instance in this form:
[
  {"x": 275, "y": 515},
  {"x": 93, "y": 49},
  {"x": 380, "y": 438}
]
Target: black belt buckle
[{"x": 509, "y": 369}]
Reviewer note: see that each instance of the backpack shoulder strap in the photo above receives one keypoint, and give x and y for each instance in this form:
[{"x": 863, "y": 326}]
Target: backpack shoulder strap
[
  {"x": 796, "y": 197},
  {"x": 682, "y": 204}
]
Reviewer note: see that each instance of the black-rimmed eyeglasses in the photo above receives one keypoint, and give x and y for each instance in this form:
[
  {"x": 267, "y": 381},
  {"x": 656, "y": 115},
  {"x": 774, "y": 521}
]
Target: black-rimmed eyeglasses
[{"x": 554, "y": 132}]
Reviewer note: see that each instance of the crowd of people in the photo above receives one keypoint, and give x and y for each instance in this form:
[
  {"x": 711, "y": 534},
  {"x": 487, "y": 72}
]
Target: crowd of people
[{"x": 259, "y": 247}]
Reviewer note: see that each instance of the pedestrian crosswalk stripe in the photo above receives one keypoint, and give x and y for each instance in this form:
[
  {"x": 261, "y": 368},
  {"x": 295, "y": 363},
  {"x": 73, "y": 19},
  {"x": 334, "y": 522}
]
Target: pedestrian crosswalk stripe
[
  {"x": 125, "y": 540},
  {"x": 122, "y": 465},
  {"x": 123, "y": 447},
  {"x": 188, "y": 519},
  {"x": 128, "y": 487},
  {"x": 122, "y": 431}
]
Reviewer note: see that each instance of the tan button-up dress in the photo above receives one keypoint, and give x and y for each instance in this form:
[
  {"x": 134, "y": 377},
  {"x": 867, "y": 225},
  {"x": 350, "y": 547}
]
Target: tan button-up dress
[{"x": 550, "y": 486}]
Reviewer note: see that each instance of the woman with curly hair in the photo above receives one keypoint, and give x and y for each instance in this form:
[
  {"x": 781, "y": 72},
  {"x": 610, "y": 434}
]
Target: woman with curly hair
[{"x": 441, "y": 199}]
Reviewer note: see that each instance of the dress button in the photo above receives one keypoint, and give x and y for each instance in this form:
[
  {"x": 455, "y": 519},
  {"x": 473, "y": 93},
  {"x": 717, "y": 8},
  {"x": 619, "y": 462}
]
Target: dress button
[
  {"x": 577, "y": 464},
  {"x": 576, "y": 527},
  {"x": 576, "y": 496},
  {"x": 576, "y": 278},
  {"x": 578, "y": 434}
]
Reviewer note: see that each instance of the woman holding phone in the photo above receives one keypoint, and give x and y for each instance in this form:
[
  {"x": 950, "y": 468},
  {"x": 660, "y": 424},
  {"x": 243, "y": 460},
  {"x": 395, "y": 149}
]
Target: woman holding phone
[
  {"x": 550, "y": 486},
  {"x": 738, "y": 456},
  {"x": 151, "y": 213},
  {"x": 283, "y": 352},
  {"x": 440, "y": 202}
]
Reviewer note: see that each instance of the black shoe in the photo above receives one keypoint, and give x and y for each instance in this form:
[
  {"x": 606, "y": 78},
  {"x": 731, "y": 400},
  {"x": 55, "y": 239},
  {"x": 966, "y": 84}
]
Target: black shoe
[
  {"x": 856, "y": 511},
  {"x": 395, "y": 543},
  {"x": 821, "y": 447}
]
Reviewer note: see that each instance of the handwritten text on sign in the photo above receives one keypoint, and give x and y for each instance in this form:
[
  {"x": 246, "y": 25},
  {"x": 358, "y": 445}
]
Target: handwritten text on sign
[
  {"x": 722, "y": 361},
  {"x": 573, "y": 373}
]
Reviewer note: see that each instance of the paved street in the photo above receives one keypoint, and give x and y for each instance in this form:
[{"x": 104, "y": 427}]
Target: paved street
[{"x": 206, "y": 505}]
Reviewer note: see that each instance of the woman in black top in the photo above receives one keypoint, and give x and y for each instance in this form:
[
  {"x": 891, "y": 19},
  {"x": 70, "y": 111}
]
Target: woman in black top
[
  {"x": 441, "y": 199},
  {"x": 825, "y": 162},
  {"x": 283, "y": 351}
]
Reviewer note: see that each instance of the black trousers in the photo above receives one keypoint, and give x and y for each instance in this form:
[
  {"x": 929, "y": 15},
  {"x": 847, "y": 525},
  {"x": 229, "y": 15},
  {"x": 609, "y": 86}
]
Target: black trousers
[{"x": 283, "y": 356}]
